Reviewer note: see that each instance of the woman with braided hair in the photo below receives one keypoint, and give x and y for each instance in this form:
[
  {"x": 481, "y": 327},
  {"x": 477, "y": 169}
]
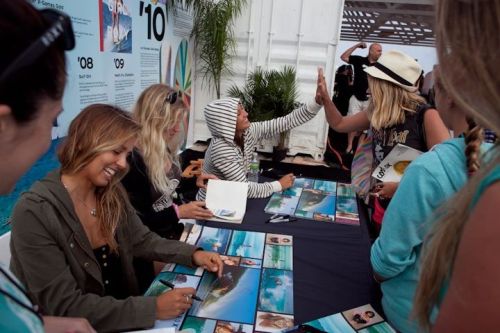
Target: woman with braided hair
[
  {"x": 428, "y": 182},
  {"x": 459, "y": 275}
]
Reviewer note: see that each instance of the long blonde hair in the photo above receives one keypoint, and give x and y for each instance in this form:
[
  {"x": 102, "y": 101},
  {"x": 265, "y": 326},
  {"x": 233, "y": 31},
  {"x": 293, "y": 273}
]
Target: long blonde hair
[
  {"x": 389, "y": 103},
  {"x": 468, "y": 58},
  {"x": 97, "y": 129},
  {"x": 156, "y": 115}
]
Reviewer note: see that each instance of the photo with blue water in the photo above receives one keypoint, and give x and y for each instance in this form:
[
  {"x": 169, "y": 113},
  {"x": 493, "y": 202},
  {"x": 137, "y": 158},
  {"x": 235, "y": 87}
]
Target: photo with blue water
[
  {"x": 345, "y": 190},
  {"x": 247, "y": 244},
  {"x": 233, "y": 297},
  {"x": 379, "y": 328},
  {"x": 214, "y": 239},
  {"x": 198, "y": 325},
  {"x": 347, "y": 205},
  {"x": 315, "y": 201},
  {"x": 303, "y": 182},
  {"x": 333, "y": 323},
  {"x": 325, "y": 186},
  {"x": 282, "y": 204},
  {"x": 276, "y": 291},
  {"x": 116, "y": 26},
  {"x": 292, "y": 192},
  {"x": 278, "y": 256}
]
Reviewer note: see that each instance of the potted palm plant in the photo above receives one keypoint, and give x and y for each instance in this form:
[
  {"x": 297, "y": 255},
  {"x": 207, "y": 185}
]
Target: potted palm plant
[{"x": 269, "y": 94}]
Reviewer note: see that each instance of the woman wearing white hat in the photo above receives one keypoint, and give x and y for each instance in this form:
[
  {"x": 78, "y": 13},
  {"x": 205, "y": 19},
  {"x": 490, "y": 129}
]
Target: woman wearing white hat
[{"x": 396, "y": 114}]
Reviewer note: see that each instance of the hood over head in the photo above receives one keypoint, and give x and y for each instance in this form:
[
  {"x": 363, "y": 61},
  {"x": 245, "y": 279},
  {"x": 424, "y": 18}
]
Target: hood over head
[{"x": 221, "y": 116}]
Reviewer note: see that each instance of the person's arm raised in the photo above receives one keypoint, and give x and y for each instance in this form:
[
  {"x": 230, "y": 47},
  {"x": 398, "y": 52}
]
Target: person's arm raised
[
  {"x": 347, "y": 53},
  {"x": 357, "y": 122}
]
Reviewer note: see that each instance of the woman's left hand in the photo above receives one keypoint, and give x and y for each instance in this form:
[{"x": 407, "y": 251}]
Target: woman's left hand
[
  {"x": 210, "y": 261},
  {"x": 194, "y": 210},
  {"x": 386, "y": 190},
  {"x": 201, "y": 180}
]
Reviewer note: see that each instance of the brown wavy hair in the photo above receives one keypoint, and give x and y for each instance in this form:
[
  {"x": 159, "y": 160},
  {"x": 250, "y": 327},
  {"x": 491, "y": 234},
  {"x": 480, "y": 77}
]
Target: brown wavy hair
[
  {"x": 97, "y": 129},
  {"x": 472, "y": 81}
]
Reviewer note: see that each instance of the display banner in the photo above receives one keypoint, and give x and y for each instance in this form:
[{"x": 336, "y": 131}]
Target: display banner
[{"x": 122, "y": 47}]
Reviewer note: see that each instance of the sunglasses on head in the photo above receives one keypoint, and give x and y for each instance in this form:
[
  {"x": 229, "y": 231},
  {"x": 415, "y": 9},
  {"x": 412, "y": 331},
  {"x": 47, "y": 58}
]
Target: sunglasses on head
[
  {"x": 172, "y": 97},
  {"x": 60, "y": 29}
]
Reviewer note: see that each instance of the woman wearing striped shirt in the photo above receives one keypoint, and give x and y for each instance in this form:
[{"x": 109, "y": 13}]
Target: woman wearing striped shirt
[{"x": 234, "y": 139}]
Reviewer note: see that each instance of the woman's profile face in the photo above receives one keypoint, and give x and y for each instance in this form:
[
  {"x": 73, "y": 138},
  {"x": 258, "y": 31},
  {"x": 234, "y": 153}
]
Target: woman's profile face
[
  {"x": 29, "y": 140},
  {"x": 103, "y": 168}
]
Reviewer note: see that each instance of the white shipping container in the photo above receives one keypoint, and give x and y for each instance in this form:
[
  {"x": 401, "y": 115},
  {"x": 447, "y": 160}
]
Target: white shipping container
[{"x": 274, "y": 33}]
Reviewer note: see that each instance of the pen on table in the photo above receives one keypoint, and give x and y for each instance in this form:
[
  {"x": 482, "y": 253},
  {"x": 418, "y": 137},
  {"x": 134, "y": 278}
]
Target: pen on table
[
  {"x": 172, "y": 286},
  {"x": 282, "y": 220},
  {"x": 277, "y": 217}
]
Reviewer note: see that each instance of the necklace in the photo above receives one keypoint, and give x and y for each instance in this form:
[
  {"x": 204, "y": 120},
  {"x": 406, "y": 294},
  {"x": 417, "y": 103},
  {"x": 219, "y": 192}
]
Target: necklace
[{"x": 92, "y": 211}]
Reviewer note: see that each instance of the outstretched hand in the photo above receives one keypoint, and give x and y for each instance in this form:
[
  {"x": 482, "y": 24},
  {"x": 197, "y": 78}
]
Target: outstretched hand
[
  {"x": 210, "y": 261},
  {"x": 321, "y": 89}
]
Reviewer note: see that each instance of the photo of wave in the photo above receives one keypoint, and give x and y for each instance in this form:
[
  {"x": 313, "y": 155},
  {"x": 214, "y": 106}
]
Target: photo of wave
[
  {"x": 325, "y": 186},
  {"x": 347, "y": 205},
  {"x": 281, "y": 204},
  {"x": 345, "y": 190},
  {"x": 276, "y": 291},
  {"x": 214, "y": 239},
  {"x": 233, "y": 297},
  {"x": 116, "y": 26},
  {"x": 278, "y": 256},
  {"x": 247, "y": 244},
  {"x": 315, "y": 201}
]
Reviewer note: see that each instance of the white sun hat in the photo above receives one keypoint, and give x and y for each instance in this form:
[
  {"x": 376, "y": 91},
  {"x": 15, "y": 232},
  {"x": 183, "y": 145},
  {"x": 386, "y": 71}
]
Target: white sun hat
[{"x": 398, "y": 68}]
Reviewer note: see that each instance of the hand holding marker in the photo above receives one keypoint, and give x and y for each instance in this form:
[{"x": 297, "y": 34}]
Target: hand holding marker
[{"x": 172, "y": 286}]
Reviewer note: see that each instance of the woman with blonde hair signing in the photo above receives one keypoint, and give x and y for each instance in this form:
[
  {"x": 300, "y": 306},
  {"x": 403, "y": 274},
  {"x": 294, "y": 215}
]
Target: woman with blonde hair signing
[
  {"x": 74, "y": 234},
  {"x": 395, "y": 114},
  {"x": 155, "y": 172}
]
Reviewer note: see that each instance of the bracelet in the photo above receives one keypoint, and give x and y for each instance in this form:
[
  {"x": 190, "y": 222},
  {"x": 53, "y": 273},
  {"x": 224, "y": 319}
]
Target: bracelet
[{"x": 176, "y": 208}]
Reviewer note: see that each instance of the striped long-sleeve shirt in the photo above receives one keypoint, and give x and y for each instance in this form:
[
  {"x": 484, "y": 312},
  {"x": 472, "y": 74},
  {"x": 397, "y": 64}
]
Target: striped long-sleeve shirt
[{"x": 225, "y": 159}]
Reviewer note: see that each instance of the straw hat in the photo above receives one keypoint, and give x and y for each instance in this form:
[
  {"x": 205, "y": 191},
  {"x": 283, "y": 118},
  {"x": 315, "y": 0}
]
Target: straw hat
[{"x": 398, "y": 68}]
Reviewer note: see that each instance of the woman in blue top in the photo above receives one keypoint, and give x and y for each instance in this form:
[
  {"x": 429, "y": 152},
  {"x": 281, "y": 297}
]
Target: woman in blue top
[
  {"x": 32, "y": 79},
  {"x": 460, "y": 273},
  {"x": 427, "y": 183}
]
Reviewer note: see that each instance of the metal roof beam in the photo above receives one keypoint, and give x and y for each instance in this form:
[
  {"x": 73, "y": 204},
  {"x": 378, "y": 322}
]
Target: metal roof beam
[
  {"x": 403, "y": 2},
  {"x": 392, "y": 11}
]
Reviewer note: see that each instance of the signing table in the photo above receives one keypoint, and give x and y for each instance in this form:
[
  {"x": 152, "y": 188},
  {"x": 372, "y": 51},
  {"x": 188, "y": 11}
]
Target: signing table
[{"x": 332, "y": 270}]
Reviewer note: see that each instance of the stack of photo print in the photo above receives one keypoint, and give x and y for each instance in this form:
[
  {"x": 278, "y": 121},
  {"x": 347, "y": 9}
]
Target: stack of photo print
[
  {"x": 315, "y": 199},
  {"x": 255, "y": 292}
]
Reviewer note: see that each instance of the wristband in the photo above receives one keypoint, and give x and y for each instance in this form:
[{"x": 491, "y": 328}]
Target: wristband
[{"x": 176, "y": 208}]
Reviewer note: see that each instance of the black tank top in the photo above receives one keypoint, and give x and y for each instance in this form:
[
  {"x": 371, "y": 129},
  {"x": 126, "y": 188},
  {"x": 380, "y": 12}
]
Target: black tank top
[{"x": 411, "y": 133}]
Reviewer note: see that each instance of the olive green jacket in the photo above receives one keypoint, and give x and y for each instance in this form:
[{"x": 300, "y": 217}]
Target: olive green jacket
[{"x": 52, "y": 256}]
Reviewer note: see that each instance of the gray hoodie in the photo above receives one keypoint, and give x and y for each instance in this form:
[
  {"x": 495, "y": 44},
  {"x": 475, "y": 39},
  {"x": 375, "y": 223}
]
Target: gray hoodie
[{"x": 225, "y": 159}]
